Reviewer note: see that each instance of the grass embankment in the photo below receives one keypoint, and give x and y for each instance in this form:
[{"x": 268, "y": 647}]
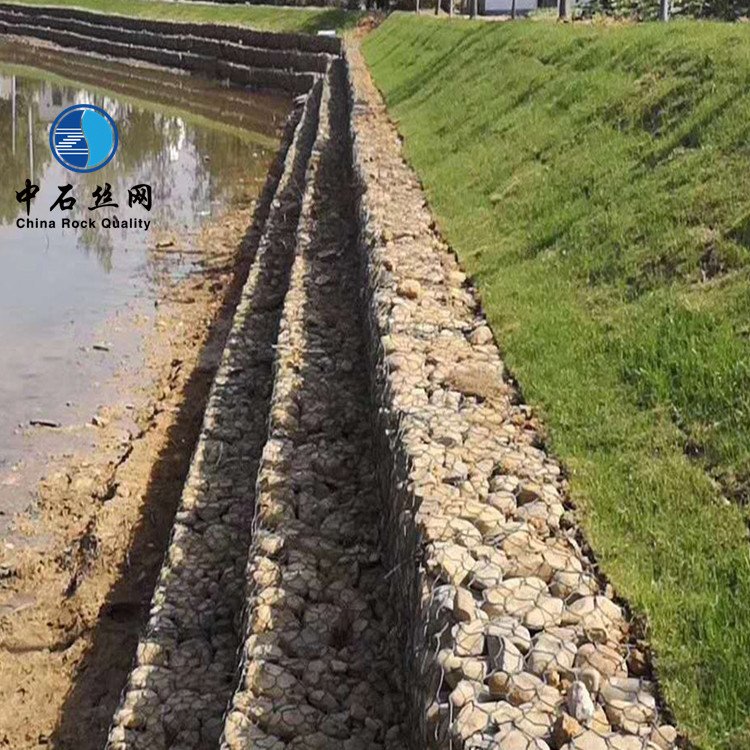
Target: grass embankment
[
  {"x": 596, "y": 182},
  {"x": 260, "y": 17}
]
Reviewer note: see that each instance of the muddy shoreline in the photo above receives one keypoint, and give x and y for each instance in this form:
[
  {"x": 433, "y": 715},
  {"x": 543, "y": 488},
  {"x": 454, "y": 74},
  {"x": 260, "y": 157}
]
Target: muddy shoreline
[
  {"x": 79, "y": 566},
  {"x": 71, "y": 609}
]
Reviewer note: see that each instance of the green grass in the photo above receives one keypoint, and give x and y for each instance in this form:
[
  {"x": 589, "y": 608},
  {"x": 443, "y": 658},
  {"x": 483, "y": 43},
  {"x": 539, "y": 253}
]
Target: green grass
[
  {"x": 595, "y": 180},
  {"x": 261, "y": 17}
]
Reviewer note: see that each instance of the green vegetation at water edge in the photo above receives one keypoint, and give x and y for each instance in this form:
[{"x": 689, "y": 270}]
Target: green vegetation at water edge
[
  {"x": 595, "y": 180},
  {"x": 260, "y": 17}
]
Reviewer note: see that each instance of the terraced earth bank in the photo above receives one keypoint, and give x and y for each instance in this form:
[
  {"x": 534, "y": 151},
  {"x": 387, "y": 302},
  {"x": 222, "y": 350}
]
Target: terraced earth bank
[{"x": 373, "y": 548}]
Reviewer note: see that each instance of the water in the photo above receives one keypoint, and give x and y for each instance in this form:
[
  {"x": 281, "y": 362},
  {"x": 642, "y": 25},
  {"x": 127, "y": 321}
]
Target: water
[{"x": 201, "y": 146}]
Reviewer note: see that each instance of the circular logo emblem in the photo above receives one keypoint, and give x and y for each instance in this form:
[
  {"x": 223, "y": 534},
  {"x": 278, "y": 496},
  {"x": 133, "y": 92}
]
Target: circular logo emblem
[{"x": 83, "y": 138}]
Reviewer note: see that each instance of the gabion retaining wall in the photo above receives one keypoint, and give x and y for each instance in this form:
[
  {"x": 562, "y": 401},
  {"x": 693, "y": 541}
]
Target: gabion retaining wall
[
  {"x": 222, "y": 32},
  {"x": 508, "y": 636},
  {"x": 317, "y": 669},
  {"x": 511, "y": 640},
  {"x": 290, "y": 62},
  {"x": 183, "y": 675}
]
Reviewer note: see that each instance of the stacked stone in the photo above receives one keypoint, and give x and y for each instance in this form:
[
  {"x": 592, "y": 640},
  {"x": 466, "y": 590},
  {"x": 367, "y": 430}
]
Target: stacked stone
[
  {"x": 317, "y": 668},
  {"x": 512, "y": 640},
  {"x": 234, "y": 34},
  {"x": 290, "y": 62},
  {"x": 186, "y": 660}
]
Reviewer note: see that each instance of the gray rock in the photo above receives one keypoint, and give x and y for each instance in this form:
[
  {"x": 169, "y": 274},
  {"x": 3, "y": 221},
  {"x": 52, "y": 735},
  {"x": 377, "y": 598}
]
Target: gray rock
[{"x": 579, "y": 702}]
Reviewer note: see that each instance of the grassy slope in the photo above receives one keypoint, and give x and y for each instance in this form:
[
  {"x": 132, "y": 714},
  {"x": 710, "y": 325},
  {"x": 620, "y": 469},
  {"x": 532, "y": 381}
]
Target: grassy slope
[
  {"x": 261, "y": 17},
  {"x": 595, "y": 182}
]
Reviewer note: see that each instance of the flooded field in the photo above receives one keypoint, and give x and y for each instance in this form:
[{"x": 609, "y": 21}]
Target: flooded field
[
  {"x": 110, "y": 337},
  {"x": 75, "y": 303}
]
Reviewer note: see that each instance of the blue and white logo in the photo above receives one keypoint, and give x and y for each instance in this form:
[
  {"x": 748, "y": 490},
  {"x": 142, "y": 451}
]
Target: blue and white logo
[{"x": 83, "y": 138}]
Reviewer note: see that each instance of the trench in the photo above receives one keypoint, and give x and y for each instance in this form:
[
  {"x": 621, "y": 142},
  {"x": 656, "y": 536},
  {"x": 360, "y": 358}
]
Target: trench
[{"x": 371, "y": 549}]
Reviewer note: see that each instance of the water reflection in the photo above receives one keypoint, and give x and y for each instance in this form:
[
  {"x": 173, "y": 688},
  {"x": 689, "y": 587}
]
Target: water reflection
[
  {"x": 190, "y": 167},
  {"x": 201, "y": 146}
]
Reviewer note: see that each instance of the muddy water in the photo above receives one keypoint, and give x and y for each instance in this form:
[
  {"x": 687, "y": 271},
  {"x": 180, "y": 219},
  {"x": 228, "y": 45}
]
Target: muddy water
[{"x": 74, "y": 303}]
